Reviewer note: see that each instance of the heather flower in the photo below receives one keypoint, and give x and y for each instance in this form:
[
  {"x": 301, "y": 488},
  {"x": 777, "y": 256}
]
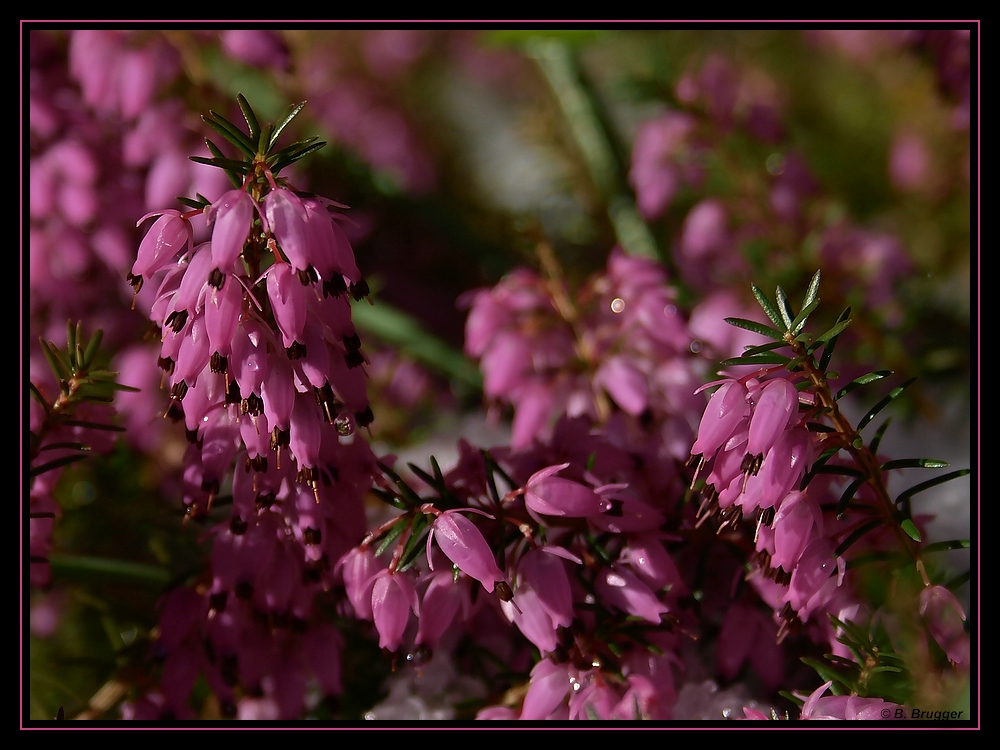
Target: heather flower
[
  {"x": 621, "y": 589},
  {"x": 818, "y": 706},
  {"x": 944, "y": 616},
  {"x": 550, "y": 495},
  {"x": 548, "y": 688},
  {"x": 393, "y": 597},
  {"x": 465, "y": 546}
]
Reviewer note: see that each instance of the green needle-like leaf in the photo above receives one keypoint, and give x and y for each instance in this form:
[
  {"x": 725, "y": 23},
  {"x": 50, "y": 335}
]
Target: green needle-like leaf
[
  {"x": 947, "y": 546},
  {"x": 59, "y": 365},
  {"x": 289, "y": 115},
  {"x": 877, "y": 437},
  {"x": 863, "y": 380},
  {"x": 811, "y": 291},
  {"x": 765, "y": 358},
  {"x": 824, "y": 361},
  {"x": 855, "y": 535},
  {"x": 91, "y": 350},
  {"x": 230, "y": 132},
  {"x": 894, "y": 393},
  {"x": 784, "y": 308},
  {"x": 829, "y": 334},
  {"x": 57, "y": 463},
  {"x": 848, "y": 495},
  {"x": 914, "y": 463},
  {"x": 800, "y": 319},
  {"x": 391, "y": 536},
  {"x": 248, "y": 114},
  {"x": 766, "y": 305},
  {"x": 769, "y": 346},
  {"x": 752, "y": 325},
  {"x": 910, "y": 528},
  {"x": 907, "y": 494}
]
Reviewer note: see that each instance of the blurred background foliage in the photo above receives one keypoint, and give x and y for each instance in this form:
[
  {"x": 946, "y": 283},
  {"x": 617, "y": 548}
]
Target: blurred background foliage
[{"x": 456, "y": 149}]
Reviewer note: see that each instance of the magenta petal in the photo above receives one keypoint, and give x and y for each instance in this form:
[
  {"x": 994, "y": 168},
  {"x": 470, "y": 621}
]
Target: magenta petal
[
  {"x": 625, "y": 384},
  {"x": 548, "y": 687},
  {"x": 288, "y": 301},
  {"x": 624, "y": 591},
  {"x": 777, "y": 404},
  {"x": 287, "y": 221},
  {"x": 464, "y": 545},
  {"x": 233, "y": 214},
  {"x": 555, "y": 496},
  {"x": 164, "y": 241},
  {"x": 726, "y": 409},
  {"x": 391, "y": 604},
  {"x": 222, "y": 315}
]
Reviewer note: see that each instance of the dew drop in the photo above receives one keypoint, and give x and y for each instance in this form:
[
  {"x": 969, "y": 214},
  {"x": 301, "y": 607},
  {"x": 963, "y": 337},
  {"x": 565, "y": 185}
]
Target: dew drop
[
  {"x": 696, "y": 346},
  {"x": 617, "y": 305},
  {"x": 344, "y": 425},
  {"x": 670, "y": 310},
  {"x": 775, "y": 163}
]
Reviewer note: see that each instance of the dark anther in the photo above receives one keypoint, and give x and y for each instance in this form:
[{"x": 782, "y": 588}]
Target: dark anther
[
  {"x": 176, "y": 320},
  {"x": 233, "y": 393},
  {"x": 308, "y": 276},
  {"x": 259, "y": 464},
  {"x": 751, "y": 464},
  {"x": 296, "y": 350},
  {"x": 504, "y": 591},
  {"x": 308, "y": 474},
  {"x": 265, "y": 500},
  {"x": 238, "y": 526},
  {"x": 179, "y": 391},
  {"x": 135, "y": 281},
  {"x": 279, "y": 438},
  {"x": 252, "y": 405},
  {"x": 166, "y": 364},
  {"x": 219, "y": 364},
  {"x": 334, "y": 287},
  {"x": 360, "y": 290},
  {"x": 365, "y": 417},
  {"x": 312, "y": 536},
  {"x": 216, "y": 278},
  {"x": 174, "y": 412},
  {"x": 354, "y": 358},
  {"x": 767, "y": 516},
  {"x": 352, "y": 343},
  {"x": 211, "y": 486}
]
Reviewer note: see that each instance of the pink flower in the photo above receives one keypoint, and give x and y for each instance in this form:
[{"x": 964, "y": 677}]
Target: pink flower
[
  {"x": 393, "y": 597},
  {"x": 845, "y": 707},
  {"x": 464, "y": 545},
  {"x": 554, "y": 496},
  {"x": 232, "y": 214},
  {"x": 944, "y": 616},
  {"x": 726, "y": 410},
  {"x": 547, "y": 689},
  {"x": 623, "y": 590},
  {"x": 163, "y": 242}
]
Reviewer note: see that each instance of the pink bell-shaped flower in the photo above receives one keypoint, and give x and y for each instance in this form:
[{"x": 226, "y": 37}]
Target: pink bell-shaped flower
[
  {"x": 776, "y": 407},
  {"x": 233, "y": 215},
  {"x": 555, "y": 496},
  {"x": 726, "y": 409},
  {"x": 465, "y": 546},
  {"x": 944, "y": 616},
  {"x": 393, "y": 597},
  {"x": 625, "y": 591},
  {"x": 547, "y": 690},
  {"x": 164, "y": 241}
]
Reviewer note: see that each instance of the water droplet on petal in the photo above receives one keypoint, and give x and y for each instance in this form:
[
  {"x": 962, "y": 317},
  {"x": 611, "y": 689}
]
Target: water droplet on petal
[
  {"x": 617, "y": 305},
  {"x": 696, "y": 346},
  {"x": 344, "y": 425}
]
